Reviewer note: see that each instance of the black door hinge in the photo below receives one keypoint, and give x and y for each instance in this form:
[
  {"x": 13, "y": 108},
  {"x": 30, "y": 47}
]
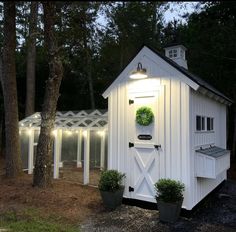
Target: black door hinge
[
  {"x": 131, "y": 189},
  {"x": 131, "y": 144},
  {"x": 157, "y": 146},
  {"x": 131, "y": 101}
]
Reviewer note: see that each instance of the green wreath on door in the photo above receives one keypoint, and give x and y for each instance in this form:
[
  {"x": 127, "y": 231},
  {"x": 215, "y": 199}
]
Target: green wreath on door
[{"x": 144, "y": 116}]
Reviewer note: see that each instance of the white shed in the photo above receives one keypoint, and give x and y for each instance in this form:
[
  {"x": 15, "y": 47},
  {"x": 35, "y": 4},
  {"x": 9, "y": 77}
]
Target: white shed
[{"x": 186, "y": 140}]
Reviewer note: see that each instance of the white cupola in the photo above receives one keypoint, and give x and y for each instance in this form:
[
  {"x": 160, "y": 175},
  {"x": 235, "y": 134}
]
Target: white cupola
[{"x": 177, "y": 54}]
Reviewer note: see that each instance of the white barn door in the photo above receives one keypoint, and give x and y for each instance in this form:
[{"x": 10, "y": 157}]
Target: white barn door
[{"x": 143, "y": 148}]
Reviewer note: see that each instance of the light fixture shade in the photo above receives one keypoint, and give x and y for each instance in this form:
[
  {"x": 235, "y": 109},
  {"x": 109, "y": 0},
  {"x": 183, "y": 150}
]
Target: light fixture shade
[{"x": 140, "y": 73}]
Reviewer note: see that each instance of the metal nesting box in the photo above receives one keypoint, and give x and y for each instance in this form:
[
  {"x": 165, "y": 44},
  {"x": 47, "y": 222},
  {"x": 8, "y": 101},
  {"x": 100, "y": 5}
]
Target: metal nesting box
[
  {"x": 212, "y": 161},
  {"x": 214, "y": 152}
]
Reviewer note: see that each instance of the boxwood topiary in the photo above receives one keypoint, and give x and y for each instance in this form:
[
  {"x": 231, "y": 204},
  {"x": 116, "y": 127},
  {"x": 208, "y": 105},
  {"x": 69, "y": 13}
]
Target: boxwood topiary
[
  {"x": 110, "y": 180},
  {"x": 169, "y": 190}
]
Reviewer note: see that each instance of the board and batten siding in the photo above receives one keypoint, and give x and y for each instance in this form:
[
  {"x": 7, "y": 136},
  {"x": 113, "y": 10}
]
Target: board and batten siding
[
  {"x": 205, "y": 106},
  {"x": 173, "y": 132},
  {"x": 118, "y": 132},
  {"x": 179, "y": 103}
]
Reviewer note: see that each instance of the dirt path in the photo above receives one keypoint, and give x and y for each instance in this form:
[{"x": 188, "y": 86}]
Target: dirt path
[{"x": 218, "y": 214}]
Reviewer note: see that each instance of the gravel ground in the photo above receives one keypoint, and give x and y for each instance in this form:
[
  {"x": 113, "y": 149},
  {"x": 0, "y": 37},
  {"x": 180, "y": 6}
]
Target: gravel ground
[{"x": 217, "y": 213}]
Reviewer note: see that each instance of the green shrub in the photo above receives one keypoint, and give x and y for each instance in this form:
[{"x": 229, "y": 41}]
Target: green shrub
[
  {"x": 169, "y": 190},
  {"x": 110, "y": 180}
]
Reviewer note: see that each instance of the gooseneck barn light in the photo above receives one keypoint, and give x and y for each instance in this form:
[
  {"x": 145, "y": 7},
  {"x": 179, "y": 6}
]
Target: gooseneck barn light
[{"x": 140, "y": 73}]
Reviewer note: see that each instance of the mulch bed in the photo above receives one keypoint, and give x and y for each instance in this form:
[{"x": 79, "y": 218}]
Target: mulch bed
[{"x": 72, "y": 202}]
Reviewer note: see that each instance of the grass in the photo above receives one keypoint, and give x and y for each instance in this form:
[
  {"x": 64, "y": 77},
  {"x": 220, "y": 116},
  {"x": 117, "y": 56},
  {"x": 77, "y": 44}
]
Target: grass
[{"x": 31, "y": 220}]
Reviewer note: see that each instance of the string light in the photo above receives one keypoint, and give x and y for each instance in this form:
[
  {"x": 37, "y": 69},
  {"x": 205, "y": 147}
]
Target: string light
[
  {"x": 101, "y": 133},
  {"x": 85, "y": 133},
  {"x": 29, "y": 132},
  {"x": 68, "y": 132},
  {"x": 54, "y": 132}
]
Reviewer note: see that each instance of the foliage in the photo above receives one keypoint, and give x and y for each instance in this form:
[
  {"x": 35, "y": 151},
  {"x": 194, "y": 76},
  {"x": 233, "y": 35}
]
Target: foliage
[
  {"x": 110, "y": 180},
  {"x": 144, "y": 116},
  {"x": 210, "y": 38},
  {"x": 110, "y": 46},
  {"x": 209, "y": 35},
  {"x": 169, "y": 190}
]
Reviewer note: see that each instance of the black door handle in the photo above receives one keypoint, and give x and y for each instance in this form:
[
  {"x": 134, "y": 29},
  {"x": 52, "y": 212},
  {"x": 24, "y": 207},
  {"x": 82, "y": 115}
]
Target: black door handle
[{"x": 157, "y": 146}]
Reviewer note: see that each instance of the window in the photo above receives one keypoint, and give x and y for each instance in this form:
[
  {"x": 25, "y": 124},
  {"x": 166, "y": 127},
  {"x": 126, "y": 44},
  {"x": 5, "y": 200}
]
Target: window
[
  {"x": 173, "y": 53},
  {"x": 198, "y": 123},
  {"x": 204, "y": 123},
  {"x": 210, "y": 124}
]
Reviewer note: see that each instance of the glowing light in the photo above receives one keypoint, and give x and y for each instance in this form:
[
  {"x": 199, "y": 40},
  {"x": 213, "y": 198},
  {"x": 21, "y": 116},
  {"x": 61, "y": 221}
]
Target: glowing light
[
  {"x": 29, "y": 132},
  {"x": 85, "y": 133},
  {"x": 140, "y": 73},
  {"x": 68, "y": 132},
  {"x": 138, "y": 76},
  {"x": 101, "y": 133},
  {"x": 54, "y": 132},
  {"x": 150, "y": 85}
]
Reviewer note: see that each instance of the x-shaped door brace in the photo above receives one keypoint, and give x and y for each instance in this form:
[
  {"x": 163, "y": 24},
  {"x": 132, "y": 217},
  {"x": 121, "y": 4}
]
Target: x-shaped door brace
[{"x": 144, "y": 171}]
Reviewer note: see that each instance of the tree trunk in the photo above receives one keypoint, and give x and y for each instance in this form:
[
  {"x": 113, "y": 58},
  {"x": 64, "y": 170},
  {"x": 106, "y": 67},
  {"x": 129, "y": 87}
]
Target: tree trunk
[
  {"x": 2, "y": 137},
  {"x": 31, "y": 58},
  {"x": 43, "y": 171},
  {"x": 88, "y": 61},
  {"x": 13, "y": 161},
  {"x": 154, "y": 23},
  {"x": 90, "y": 80}
]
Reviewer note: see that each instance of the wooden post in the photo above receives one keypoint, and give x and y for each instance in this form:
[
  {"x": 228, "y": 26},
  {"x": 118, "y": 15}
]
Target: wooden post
[
  {"x": 102, "y": 151},
  {"x": 86, "y": 156},
  {"x": 31, "y": 151},
  {"x": 79, "y": 149},
  {"x": 57, "y": 151}
]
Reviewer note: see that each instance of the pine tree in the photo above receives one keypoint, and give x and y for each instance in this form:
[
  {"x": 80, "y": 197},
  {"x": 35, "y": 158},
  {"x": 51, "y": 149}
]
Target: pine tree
[
  {"x": 13, "y": 161},
  {"x": 43, "y": 168}
]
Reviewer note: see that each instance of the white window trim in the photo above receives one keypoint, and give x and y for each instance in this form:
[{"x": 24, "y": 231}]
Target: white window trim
[{"x": 205, "y": 124}]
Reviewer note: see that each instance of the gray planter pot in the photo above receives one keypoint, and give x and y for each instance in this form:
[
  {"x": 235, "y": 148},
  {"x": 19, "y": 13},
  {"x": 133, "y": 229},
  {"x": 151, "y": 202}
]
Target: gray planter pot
[
  {"x": 169, "y": 212},
  {"x": 112, "y": 199}
]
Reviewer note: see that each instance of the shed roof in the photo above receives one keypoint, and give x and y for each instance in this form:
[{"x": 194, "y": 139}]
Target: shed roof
[
  {"x": 70, "y": 119},
  {"x": 199, "y": 81},
  {"x": 192, "y": 76},
  {"x": 214, "y": 151}
]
